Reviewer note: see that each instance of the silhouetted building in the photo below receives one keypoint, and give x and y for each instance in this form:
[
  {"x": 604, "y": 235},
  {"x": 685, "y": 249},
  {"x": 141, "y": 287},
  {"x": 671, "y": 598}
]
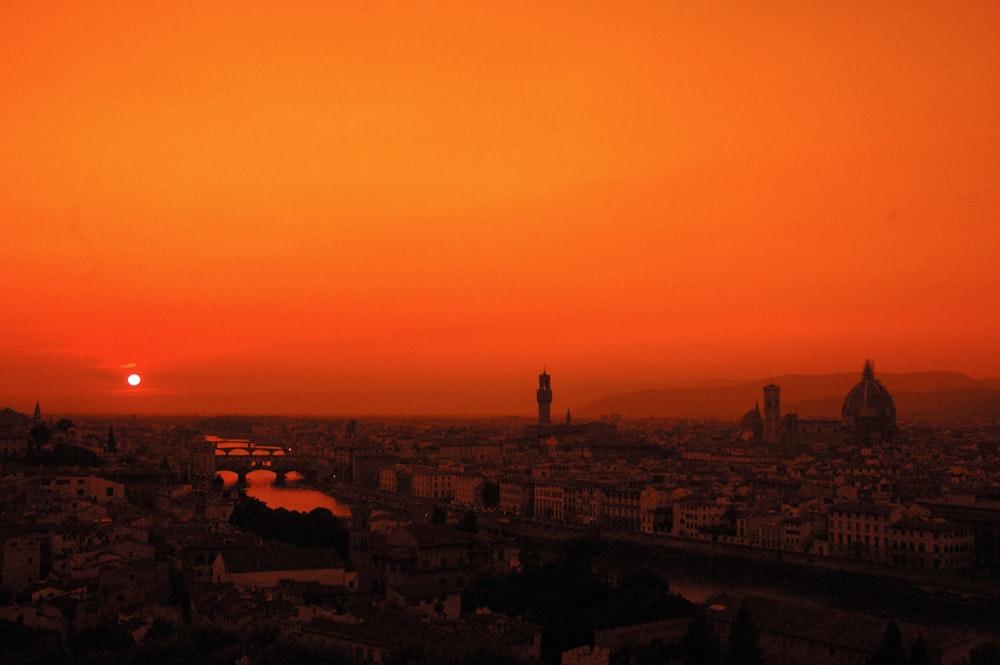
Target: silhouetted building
[
  {"x": 267, "y": 567},
  {"x": 868, "y": 414},
  {"x": 868, "y": 408},
  {"x": 544, "y": 396},
  {"x": 21, "y": 563},
  {"x": 772, "y": 413},
  {"x": 752, "y": 423},
  {"x": 569, "y": 434}
]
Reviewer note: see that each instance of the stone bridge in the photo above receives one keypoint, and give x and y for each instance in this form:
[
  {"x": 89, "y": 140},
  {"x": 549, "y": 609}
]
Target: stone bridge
[{"x": 241, "y": 457}]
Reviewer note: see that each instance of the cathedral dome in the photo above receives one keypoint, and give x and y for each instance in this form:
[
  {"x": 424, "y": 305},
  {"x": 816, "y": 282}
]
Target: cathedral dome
[{"x": 869, "y": 404}]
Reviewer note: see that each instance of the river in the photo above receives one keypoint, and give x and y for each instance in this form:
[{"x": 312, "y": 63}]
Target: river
[{"x": 291, "y": 496}]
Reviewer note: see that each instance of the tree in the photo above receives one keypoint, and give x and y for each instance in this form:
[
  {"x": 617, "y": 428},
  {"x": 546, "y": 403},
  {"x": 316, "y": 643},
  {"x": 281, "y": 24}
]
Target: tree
[
  {"x": 743, "y": 647},
  {"x": 918, "y": 652},
  {"x": 38, "y": 436},
  {"x": 891, "y": 651},
  {"x": 700, "y": 645},
  {"x": 112, "y": 443},
  {"x": 317, "y": 528},
  {"x": 439, "y": 515},
  {"x": 469, "y": 522},
  {"x": 179, "y": 595},
  {"x": 641, "y": 597},
  {"x": 490, "y": 494},
  {"x": 730, "y": 515}
]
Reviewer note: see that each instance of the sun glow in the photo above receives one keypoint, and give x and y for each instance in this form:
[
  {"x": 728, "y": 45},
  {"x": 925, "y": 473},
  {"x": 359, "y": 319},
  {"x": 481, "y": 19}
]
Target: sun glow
[
  {"x": 637, "y": 193},
  {"x": 134, "y": 379}
]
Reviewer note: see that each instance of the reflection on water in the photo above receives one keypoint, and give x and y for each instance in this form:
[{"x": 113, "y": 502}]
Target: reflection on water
[{"x": 260, "y": 485}]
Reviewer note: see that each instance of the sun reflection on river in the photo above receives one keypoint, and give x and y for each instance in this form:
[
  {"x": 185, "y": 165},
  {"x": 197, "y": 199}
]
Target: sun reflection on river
[{"x": 260, "y": 485}]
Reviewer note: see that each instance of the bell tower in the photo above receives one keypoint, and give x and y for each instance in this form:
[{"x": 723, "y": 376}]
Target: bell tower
[
  {"x": 772, "y": 413},
  {"x": 544, "y": 396}
]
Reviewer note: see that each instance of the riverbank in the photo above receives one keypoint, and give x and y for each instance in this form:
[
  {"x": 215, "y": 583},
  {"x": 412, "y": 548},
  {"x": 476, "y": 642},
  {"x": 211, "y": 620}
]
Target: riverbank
[{"x": 703, "y": 571}]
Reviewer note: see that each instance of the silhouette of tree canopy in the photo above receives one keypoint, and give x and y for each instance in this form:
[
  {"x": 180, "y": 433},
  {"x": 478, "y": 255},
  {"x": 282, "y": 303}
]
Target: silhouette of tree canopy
[
  {"x": 891, "y": 651},
  {"x": 640, "y": 597},
  {"x": 179, "y": 595},
  {"x": 918, "y": 652},
  {"x": 40, "y": 434},
  {"x": 469, "y": 522},
  {"x": 317, "y": 528},
  {"x": 582, "y": 550},
  {"x": 490, "y": 494},
  {"x": 743, "y": 647},
  {"x": 439, "y": 515},
  {"x": 700, "y": 645},
  {"x": 569, "y": 601}
]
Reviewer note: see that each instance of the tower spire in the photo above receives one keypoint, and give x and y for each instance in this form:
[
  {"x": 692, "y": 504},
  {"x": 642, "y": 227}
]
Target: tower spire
[
  {"x": 544, "y": 397},
  {"x": 772, "y": 413}
]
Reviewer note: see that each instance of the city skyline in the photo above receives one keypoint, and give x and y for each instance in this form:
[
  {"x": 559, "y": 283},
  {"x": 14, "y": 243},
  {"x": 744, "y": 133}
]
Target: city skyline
[
  {"x": 928, "y": 396},
  {"x": 415, "y": 207}
]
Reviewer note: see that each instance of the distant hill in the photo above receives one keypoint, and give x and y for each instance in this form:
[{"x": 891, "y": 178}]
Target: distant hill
[{"x": 918, "y": 395}]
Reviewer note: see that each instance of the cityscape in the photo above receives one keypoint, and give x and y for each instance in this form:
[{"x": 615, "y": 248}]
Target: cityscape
[
  {"x": 500, "y": 333},
  {"x": 282, "y": 539}
]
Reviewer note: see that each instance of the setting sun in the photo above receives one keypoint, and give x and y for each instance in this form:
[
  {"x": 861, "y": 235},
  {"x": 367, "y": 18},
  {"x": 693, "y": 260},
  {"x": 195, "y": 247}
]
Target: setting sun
[
  {"x": 134, "y": 379},
  {"x": 403, "y": 207}
]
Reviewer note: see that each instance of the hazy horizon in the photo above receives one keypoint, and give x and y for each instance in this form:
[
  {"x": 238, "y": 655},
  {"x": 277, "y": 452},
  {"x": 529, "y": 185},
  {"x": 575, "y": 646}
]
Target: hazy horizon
[{"x": 517, "y": 402}]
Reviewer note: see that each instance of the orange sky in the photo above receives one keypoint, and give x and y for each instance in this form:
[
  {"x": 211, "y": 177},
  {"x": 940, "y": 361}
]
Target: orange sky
[{"x": 412, "y": 207}]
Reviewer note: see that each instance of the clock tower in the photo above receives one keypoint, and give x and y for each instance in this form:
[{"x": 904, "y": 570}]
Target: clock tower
[
  {"x": 544, "y": 396},
  {"x": 772, "y": 414}
]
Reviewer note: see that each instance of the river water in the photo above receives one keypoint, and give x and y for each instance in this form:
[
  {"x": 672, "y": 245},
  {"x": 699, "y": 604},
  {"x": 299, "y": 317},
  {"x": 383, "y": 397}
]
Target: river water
[{"x": 291, "y": 496}]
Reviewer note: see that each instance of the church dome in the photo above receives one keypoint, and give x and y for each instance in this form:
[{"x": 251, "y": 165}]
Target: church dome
[
  {"x": 751, "y": 418},
  {"x": 752, "y": 422},
  {"x": 869, "y": 404}
]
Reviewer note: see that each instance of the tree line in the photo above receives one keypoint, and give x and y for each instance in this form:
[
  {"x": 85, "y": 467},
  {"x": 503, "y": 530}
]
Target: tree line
[{"x": 317, "y": 528}]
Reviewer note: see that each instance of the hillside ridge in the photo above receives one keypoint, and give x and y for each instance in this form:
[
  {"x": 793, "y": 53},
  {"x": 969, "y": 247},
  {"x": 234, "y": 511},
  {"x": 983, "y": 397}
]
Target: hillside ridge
[{"x": 928, "y": 394}]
